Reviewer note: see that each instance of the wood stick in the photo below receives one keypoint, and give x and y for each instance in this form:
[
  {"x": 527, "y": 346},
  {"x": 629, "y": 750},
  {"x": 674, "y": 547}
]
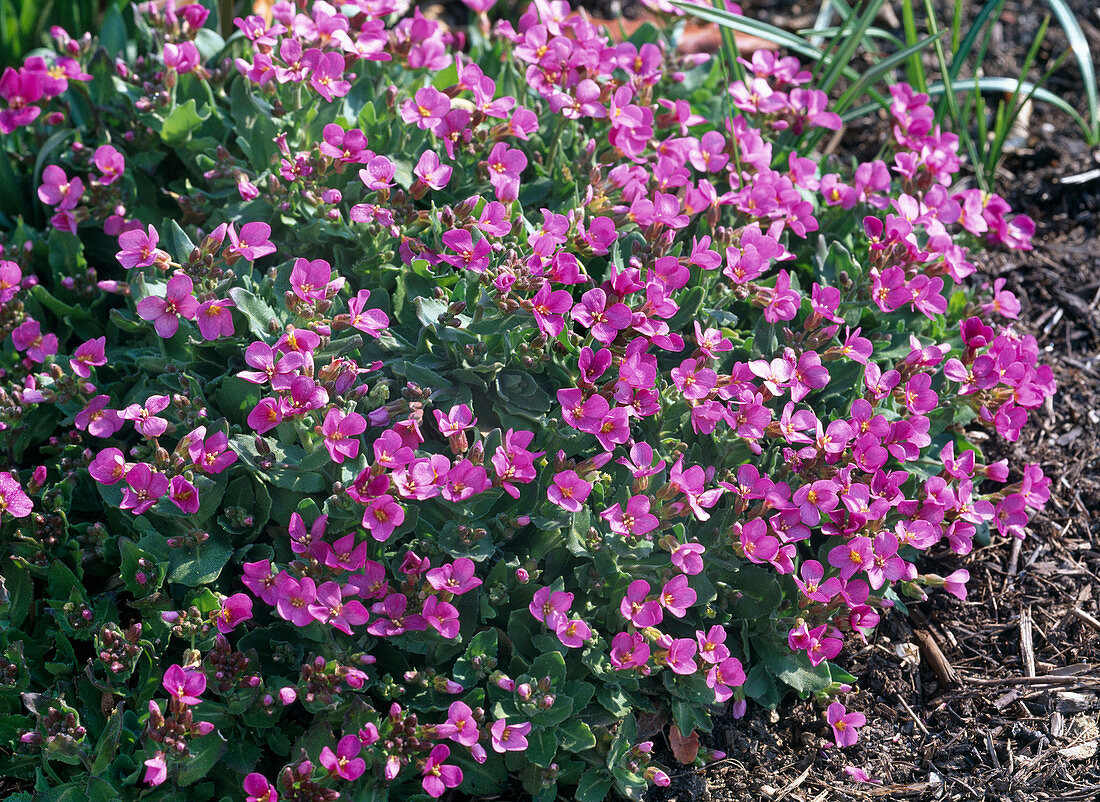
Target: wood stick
[
  {"x": 941, "y": 666},
  {"x": 1027, "y": 643}
]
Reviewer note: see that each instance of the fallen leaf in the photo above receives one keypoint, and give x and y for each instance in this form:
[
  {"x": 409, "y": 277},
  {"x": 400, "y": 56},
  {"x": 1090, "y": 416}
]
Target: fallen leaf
[{"x": 684, "y": 749}]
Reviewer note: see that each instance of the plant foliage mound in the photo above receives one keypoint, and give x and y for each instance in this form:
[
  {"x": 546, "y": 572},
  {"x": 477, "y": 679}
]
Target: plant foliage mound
[{"x": 389, "y": 408}]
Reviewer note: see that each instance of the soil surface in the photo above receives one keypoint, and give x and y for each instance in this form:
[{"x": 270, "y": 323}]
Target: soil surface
[{"x": 996, "y": 697}]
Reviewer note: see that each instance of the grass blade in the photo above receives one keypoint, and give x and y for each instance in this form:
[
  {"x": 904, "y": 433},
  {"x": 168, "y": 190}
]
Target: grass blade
[
  {"x": 849, "y": 45},
  {"x": 914, "y": 69},
  {"x": 872, "y": 75},
  {"x": 1080, "y": 47}
]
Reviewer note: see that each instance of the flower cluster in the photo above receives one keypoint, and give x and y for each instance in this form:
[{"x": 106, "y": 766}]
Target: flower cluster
[{"x": 442, "y": 398}]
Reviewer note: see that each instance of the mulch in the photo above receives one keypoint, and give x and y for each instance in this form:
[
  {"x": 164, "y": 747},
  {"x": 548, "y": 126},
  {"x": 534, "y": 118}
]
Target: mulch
[{"x": 996, "y": 697}]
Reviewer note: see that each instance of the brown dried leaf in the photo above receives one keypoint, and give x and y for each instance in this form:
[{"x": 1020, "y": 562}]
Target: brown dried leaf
[{"x": 684, "y": 749}]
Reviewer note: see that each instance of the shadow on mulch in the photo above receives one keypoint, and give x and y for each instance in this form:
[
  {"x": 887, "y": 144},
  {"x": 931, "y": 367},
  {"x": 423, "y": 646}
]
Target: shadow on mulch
[{"x": 1004, "y": 702}]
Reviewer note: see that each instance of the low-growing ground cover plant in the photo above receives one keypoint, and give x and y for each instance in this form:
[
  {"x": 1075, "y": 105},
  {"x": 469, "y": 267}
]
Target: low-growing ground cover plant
[{"x": 389, "y": 408}]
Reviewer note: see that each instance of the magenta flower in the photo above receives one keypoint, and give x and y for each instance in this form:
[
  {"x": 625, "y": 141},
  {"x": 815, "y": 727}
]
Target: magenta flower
[
  {"x": 549, "y": 308},
  {"x": 568, "y": 491},
  {"x": 955, "y": 584},
  {"x": 21, "y": 89},
  {"x": 270, "y": 366},
  {"x": 57, "y": 189},
  {"x": 265, "y": 416},
  {"x": 680, "y": 656},
  {"x": 28, "y": 337},
  {"x": 382, "y": 516},
  {"x": 851, "y": 557},
  {"x": 214, "y": 319},
  {"x": 431, "y": 172},
  {"x": 12, "y": 498},
  {"x": 110, "y": 163},
  {"x": 395, "y": 618},
  {"x": 438, "y": 777},
  {"x": 368, "y": 321},
  {"x": 87, "y": 355},
  {"x": 345, "y": 762},
  {"x": 294, "y": 598},
  {"x": 844, "y": 724},
  {"x": 212, "y": 455},
  {"x": 635, "y": 520},
  {"x": 139, "y": 249},
  {"x": 11, "y": 276},
  {"x": 471, "y": 256},
  {"x": 108, "y": 467},
  {"x": 183, "y": 494},
  {"x": 312, "y": 280},
  {"x": 156, "y": 769},
  {"x": 676, "y": 596},
  {"x": 636, "y": 609},
  {"x": 165, "y": 312},
  {"x": 550, "y": 606},
  {"x": 457, "y": 578},
  {"x": 146, "y": 486},
  {"x": 605, "y": 322},
  {"x": 145, "y": 417},
  {"x": 183, "y": 57},
  {"x": 574, "y": 633},
  {"x": 426, "y": 109},
  {"x": 629, "y": 651},
  {"x": 235, "y": 609},
  {"x": 460, "y": 726},
  {"x": 509, "y": 737},
  {"x": 330, "y": 608},
  {"x": 726, "y": 674},
  {"x": 340, "y": 431},
  {"x": 505, "y": 166},
  {"x": 327, "y": 78},
  {"x": 185, "y": 685},
  {"x": 442, "y": 617},
  {"x": 254, "y": 241},
  {"x": 97, "y": 419},
  {"x": 259, "y": 789},
  {"x": 687, "y": 557},
  {"x": 694, "y": 380}
]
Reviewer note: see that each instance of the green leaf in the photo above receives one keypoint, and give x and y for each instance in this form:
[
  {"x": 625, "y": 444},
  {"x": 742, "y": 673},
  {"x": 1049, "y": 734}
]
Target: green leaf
[
  {"x": 576, "y": 736},
  {"x": 594, "y": 786},
  {"x": 542, "y": 745},
  {"x": 203, "y": 565},
  {"x": 206, "y": 751},
  {"x": 181, "y": 123},
  {"x": 261, "y": 318}
]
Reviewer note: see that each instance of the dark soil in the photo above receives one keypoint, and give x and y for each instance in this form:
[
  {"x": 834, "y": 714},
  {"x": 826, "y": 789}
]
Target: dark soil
[{"x": 1010, "y": 710}]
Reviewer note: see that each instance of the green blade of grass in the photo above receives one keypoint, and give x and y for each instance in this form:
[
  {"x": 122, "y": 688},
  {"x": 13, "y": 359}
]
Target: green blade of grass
[
  {"x": 914, "y": 69},
  {"x": 849, "y": 44},
  {"x": 1080, "y": 47},
  {"x": 871, "y": 76},
  {"x": 770, "y": 33},
  {"x": 990, "y": 84}
]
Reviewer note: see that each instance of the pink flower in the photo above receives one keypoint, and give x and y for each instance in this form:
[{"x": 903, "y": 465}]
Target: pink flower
[
  {"x": 235, "y": 609},
  {"x": 505, "y": 166},
  {"x": 429, "y": 170},
  {"x": 146, "y": 486},
  {"x": 214, "y": 319},
  {"x": 327, "y": 78},
  {"x": 471, "y": 256},
  {"x": 254, "y": 241},
  {"x": 139, "y": 249},
  {"x": 312, "y": 280},
  {"x": 59, "y": 190},
  {"x": 259, "y": 789},
  {"x": 509, "y": 737},
  {"x": 183, "y": 57},
  {"x": 183, "y": 494},
  {"x": 108, "y": 467},
  {"x": 110, "y": 163},
  {"x": 10, "y": 278},
  {"x": 574, "y": 633},
  {"x": 859, "y": 775},
  {"x": 457, "y": 578},
  {"x": 185, "y": 685},
  {"x": 340, "y": 431},
  {"x": 636, "y": 609},
  {"x": 28, "y": 337},
  {"x": 368, "y": 321},
  {"x": 165, "y": 312},
  {"x": 88, "y": 355},
  {"x": 686, "y": 557},
  {"x": 568, "y": 491},
  {"x": 629, "y": 651},
  {"x": 680, "y": 656},
  {"x": 844, "y": 724},
  {"x": 330, "y": 608},
  {"x": 635, "y": 520},
  {"x": 605, "y": 322},
  {"x": 156, "y": 769},
  {"x": 12, "y": 498},
  {"x": 382, "y": 516},
  {"x": 460, "y": 724},
  {"x": 442, "y": 617},
  {"x": 145, "y": 417},
  {"x": 213, "y": 454},
  {"x": 345, "y": 762},
  {"x": 676, "y": 596},
  {"x": 438, "y": 777},
  {"x": 426, "y": 109},
  {"x": 550, "y": 606},
  {"x": 956, "y": 583},
  {"x": 294, "y": 597}
]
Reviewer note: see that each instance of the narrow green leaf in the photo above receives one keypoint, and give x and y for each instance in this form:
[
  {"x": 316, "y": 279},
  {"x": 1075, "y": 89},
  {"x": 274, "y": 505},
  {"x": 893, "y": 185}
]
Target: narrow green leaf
[{"x": 1067, "y": 18}]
